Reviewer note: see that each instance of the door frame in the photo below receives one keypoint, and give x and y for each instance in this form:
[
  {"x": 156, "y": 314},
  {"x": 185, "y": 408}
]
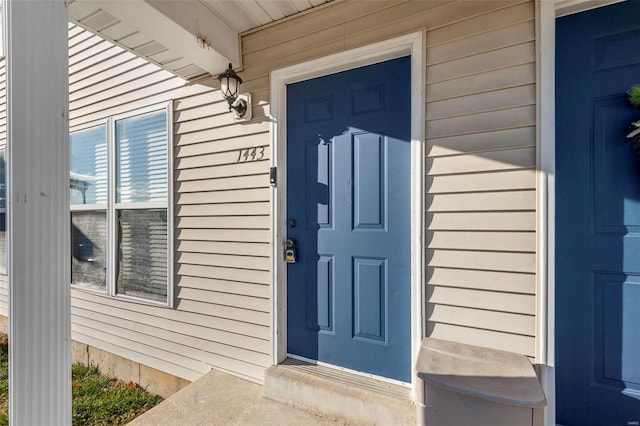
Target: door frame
[
  {"x": 546, "y": 14},
  {"x": 411, "y": 44}
]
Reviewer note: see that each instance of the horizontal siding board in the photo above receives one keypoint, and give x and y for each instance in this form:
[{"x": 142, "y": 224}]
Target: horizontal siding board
[
  {"x": 479, "y": 142},
  {"x": 491, "y": 60},
  {"x": 229, "y": 274},
  {"x": 493, "y": 241},
  {"x": 240, "y": 248},
  {"x": 243, "y": 155},
  {"x": 224, "y": 222},
  {"x": 222, "y": 133},
  {"x": 228, "y": 312},
  {"x": 157, "y": 81},
  {"x": 102, "y": 56},
  {"x": 225, "y": 183},
  {"x": 185, "y": 328},
  {"x": 518, "y": 33},
  {"x": 95, "y": 70},
  {"x": 222, "y": 145},
  {"x": 133, "y": 75},
  {"x": 122, "y": 67},
  {"x": 322, "y": 36},
  {"x": 271, "y": 37},
  {"x": 197, "y": 348},
  {"x": 482, "y": 299},
  {"x": 210, "y": 319},
  {"x": 231, "y": 196},
  {"x": 509, "y": 282},
  {"x": 524, "y": 345},
  {"x": 229, "y": 209},
  {"x": 483, "y": 162},
  {"x": 482, "y": 221},
  {"x": 224, "y": 299},
  {"x": 239, "y": 169},
  {"x": 447, "y": 12},
  {"x": 482, "y": 122},
  {"x": 476, "y": 318},
  {"x": 227, "y": 261},
  {"x": 483, "y": 102},
  {"x": 492, "y": 181},
  {"x": 483, "y": 260},
  {"x": 224, "y": 286},
  {"x": 484, "y": 201},
  {"x": 489, "y": 21},
  {"x": 518, "y": 75}
]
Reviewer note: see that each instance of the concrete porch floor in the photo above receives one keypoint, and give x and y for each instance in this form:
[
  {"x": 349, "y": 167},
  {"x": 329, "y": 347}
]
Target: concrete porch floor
[{"x": 222, "y": 399}]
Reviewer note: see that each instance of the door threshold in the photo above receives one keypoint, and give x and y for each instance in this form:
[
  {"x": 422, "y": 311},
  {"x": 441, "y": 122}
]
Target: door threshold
[
  {"x": 383, "y": 385},
  {"x": 339, "y": 395},
  {"x": 293, "y": 359}
]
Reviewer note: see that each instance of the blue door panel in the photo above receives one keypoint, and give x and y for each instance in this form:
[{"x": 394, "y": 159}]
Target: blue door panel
[
  {"x": 348, "y": 192},
  {"x": 597, "y": 218}
]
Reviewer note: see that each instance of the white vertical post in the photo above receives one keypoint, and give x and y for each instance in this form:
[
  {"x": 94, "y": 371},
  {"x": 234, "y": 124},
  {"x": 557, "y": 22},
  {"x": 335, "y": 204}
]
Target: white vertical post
[{"x": 38, "y": 184}]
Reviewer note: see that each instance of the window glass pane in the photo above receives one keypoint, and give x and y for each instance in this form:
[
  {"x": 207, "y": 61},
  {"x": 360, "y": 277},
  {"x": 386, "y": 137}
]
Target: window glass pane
[
  {"x": 142, "y": 254},
  {"x": 88, "y": 249},
  {"x": 88, "y": 164},
  {"x": 3, "y": 213},
  {"x": 141, "y": 144}
]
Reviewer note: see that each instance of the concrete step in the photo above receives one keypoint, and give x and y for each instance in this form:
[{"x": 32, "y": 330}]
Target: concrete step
[{"x": 339, "y": 395}]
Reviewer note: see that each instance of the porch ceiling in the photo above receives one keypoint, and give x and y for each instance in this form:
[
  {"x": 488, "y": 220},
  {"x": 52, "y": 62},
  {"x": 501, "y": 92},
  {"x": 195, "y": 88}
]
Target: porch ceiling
[{"x": 190, "y": 38}]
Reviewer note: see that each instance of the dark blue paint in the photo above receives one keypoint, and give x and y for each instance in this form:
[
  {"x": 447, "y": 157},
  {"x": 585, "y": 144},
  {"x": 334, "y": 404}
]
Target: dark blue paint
[
  {"x": 597, "y": 219},
  {"x": 348, "y": 189}
]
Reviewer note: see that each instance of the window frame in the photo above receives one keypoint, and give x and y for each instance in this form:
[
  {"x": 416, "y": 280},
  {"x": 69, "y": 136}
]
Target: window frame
[{"x": 112, "y": 207}]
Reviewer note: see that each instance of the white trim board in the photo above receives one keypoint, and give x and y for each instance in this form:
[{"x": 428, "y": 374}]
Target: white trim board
[{"x": 411, "y": 44}]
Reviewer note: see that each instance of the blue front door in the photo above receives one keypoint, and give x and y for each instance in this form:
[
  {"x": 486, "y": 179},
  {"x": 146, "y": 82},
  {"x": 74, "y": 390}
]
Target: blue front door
[
  {"x": 597, "y": 219},
  {"x": 348, "y": 212}
]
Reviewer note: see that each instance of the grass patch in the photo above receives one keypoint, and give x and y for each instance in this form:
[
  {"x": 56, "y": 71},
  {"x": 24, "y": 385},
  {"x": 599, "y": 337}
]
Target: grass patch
[{"x": 96, "y": 399}]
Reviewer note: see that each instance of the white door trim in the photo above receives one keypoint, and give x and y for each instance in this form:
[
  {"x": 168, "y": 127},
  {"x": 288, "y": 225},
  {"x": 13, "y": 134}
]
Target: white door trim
[{"x": 411, "y": 44}]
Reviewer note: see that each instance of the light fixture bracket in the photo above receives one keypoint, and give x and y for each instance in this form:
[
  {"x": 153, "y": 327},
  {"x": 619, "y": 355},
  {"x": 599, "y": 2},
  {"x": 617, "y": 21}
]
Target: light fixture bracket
[{"x": 241, "y": 107}]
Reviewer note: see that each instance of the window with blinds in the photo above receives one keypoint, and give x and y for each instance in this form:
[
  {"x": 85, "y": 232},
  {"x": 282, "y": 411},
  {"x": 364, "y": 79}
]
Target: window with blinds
[
  {"x": 119, "y": 183},
  {"x": 88, "y": 199}
]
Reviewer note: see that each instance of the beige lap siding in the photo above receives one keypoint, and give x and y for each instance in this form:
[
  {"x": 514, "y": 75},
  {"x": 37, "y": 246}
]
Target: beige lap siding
[
  {"x": 480, "y": 182},
  {"x": 480, "y": 148},
  {"x": 221, "y": 315}
]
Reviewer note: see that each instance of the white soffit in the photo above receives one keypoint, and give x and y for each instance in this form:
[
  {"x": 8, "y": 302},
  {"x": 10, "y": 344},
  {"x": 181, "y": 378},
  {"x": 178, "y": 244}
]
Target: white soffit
[{"x": 190, "y": 38}]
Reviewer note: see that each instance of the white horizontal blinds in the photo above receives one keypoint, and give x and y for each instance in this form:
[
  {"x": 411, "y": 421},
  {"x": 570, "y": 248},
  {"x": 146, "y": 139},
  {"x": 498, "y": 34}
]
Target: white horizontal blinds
[
  {"x": 141, "y": 201},
  {"x": 3, "y": 213},
  {"x": 89, "y": 249},
  {"x": 142, "y": 254},
  {"x": 142, "y": 158},
  {"x": 88, "y": 164},
  {"x": 88, "y": 188}
]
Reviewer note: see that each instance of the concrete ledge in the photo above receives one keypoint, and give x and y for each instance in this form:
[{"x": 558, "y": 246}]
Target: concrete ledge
[
  {"x": 335, "y": 399},
  {"x": 154, "y": 381}
]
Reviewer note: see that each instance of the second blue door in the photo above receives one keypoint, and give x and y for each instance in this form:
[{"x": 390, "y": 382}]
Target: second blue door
[{"x": 348, "y": 213}]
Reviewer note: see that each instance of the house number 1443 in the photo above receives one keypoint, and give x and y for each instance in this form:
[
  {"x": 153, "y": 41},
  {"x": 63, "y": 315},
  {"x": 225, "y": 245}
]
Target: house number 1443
[{"x": 250, "y": 154}]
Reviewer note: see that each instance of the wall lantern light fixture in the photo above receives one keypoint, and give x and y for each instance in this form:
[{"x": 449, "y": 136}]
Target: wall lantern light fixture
[{"x": 239, "y": 103}]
